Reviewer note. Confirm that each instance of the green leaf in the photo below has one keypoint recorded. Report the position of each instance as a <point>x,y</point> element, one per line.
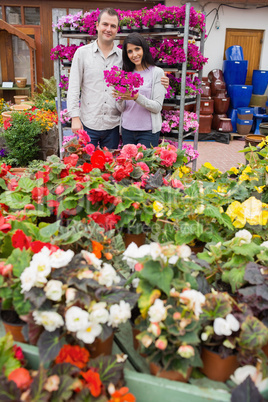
<point>48,231</point>
<point>236,278</point>
<point>158,276</point>
<point>9,392</point>
<point>37,296</point>
<point>110,371</point>
<point>26,184</point>
<point>21,305</point>
<point>38,394</point>
<point>64,369</point>
<point>10,365</point>
<point>3,184</point>
<point>20,259</point>
<point>253,335</point>
<point>49,345</point>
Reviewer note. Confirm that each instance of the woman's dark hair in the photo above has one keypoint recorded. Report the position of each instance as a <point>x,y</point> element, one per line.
<point>138,40</point>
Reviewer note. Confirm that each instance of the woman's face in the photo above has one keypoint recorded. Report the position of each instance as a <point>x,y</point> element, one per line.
<point>135,54</point>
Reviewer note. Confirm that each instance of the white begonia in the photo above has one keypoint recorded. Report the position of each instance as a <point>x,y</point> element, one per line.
<point>155,250</point>
<point>242,373</point>
<point>61,258</point>
<point>41,263</point>
<point>119,313</point>
<point>130,255</point>
<point>172,260</point>
<point>90,333</point>
<point>244,235</point>
<point>221,327</point>
<point>107,275</point>
<point>49,319</point>
<point>264,244</point>
<point>157,312</point>
<point>232,322</point>
<point>99,313</point>
<point>76,319</point>
<point>54,290</point>
<point>194,299</point>
<point>184,251</point>
<point>91,259</point>
<point>143,250</point>
<point>28,279</point>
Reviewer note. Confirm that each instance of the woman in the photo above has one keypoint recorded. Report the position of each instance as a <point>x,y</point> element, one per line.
<point>141,114</point>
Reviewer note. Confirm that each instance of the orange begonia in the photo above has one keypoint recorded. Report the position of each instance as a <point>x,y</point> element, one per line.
<point>122,395</point>
<point>97,248</point>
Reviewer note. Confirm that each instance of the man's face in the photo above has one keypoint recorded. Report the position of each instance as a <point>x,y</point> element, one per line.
<point>107,28</point>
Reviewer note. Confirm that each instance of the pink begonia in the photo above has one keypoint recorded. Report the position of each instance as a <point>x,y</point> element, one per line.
<point>90,148</point>
<point>129,151</point>
<point>177,184</point>
<point>168,157</point>
<point>143,167</point>
<point>141,145</point>
<point>139,156</point>
<point>84,138</point>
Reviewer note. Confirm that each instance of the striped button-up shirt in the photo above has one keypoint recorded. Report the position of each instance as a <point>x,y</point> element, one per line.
<point>88,95</point>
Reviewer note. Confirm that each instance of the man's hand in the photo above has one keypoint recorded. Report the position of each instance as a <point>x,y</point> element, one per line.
<point>76,124</point>
<point>165,81</point>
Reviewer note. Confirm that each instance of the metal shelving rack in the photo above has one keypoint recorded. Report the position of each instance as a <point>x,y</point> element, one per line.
<point>186,36</point>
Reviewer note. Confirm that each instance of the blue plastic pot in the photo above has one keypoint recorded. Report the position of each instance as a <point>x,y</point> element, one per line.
<point>234,53</point>
<point>245,113</point>
<point>235,72</point>
<point>244,122</point>
<point>240,95</point>
<point>232,114</point>
<point>259,81</point>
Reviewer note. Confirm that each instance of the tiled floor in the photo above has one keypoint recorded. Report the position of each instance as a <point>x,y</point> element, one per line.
<point>221,156</point>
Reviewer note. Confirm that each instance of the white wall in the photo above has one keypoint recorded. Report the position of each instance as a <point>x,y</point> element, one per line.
<point>229,18</point>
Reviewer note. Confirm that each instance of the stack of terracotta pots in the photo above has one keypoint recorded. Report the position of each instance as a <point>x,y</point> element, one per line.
<point>206,108</point>
<point>220,121</point>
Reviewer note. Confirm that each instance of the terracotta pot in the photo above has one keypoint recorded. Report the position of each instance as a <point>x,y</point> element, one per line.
<point>225,125</point>
<point>20,99</point>
<point>21,82</point>
<point>254,139</point>
<point>220,93</point>
<point>21,107</point>
<point>206,106</point>
<point>139,239</point>
<point>198,248</point>
<point>7,115</point>
<point>216,120</point>
<point>205,123</point>
<point>172,375</point>
<point>99,347</point>
<point>221,105</point>
<point>215,85</point>
<point>216,368</point>
<point>215,74</point>
<point>19,171</point>
<point>265,349</point>
<point>15,328</point>
<point>263,127</point>
<point>206,91</point>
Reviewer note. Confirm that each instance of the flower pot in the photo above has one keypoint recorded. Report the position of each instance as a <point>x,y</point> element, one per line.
<point>259,81</point>
<point>157,28</point>
<point>243,126</point>
<point>221,105</point>
<point>135,332</point>
<point>19,171</point>
<point>220,93</point>
<point>206,90</point>
<point>144,28</point>
<point>20,99</point>
<point>7,115</point>
<point>216,120</point>
<point>172,375</point>
<point>215,85</point>
<point>13,324</point>
<point>245,113</point>
<point>258,100</point>
<point>206,106</point>
<point>215,74</point>
<point>234,53</point>
<point>21,107</point>
<point>217,368</point>
<point>21,82</point>
<point>205,122</point>
<point>139,239</point>
<point>225,125</point>
<point>240,95</point>
<point>254,139</point>
<point>99,347</point>
<point>263,127</point>
<point>235,72</point>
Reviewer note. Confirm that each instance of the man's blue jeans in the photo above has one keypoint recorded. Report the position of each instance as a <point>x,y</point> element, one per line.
<point>146,138</point>
<point>104,138</point>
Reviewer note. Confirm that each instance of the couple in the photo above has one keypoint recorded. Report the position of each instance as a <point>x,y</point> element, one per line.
<point>99,113</point>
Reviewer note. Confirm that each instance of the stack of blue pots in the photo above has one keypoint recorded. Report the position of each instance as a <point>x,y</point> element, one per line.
<point>235,73</point>
<point>259,81</point>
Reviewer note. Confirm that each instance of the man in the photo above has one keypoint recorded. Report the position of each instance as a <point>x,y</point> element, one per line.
<point>97,110</point>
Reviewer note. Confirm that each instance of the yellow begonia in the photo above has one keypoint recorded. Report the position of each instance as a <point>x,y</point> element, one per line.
<point>234,170</point>
<point>236,213</point>
<point>185,169</point>
<point>259,189</point>
<point>209,166</point>
<point>157,207</point>
<point>255,212</point>
<point>247,170</point>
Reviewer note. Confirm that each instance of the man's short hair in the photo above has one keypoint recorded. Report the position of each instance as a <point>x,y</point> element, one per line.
<point>110,11</point>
